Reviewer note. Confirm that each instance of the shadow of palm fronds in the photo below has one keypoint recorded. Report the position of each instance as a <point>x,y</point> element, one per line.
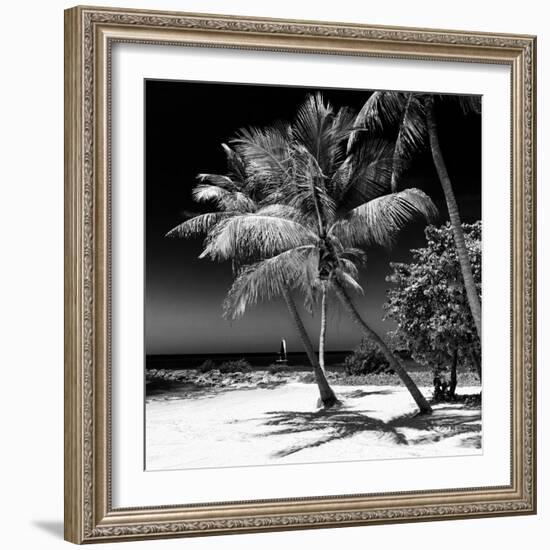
<point>358,394</point>
<point>338,424</point>
<point>443,423</point>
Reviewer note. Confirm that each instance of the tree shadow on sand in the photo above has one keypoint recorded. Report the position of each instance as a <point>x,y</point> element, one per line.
<point>357,394</point>
<point>409,429</point>
<point>442,424</point>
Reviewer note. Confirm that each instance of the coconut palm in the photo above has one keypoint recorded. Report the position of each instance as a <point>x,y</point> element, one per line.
<point>275,155</point>
<point>411,118</point>
<point>300,259</point>
<point>327,205</point>
<point>236,194</point>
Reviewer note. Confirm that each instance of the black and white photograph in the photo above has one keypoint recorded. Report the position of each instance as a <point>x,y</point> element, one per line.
<point>313,263</point>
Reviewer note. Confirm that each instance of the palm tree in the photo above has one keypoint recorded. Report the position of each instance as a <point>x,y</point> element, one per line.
<point>328,204</point>
<point>411,117</point>
<point>235,194</point>
<point>299,259</point>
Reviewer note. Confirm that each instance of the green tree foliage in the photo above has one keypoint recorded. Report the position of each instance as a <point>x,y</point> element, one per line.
<point>430,307</point>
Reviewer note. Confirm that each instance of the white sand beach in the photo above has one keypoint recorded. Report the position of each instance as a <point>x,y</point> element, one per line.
<point>282,424</point>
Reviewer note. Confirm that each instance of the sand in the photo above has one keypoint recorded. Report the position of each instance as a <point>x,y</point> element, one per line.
<point>282,424</point>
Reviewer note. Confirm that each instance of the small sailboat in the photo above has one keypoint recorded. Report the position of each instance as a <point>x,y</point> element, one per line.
<point>282,360</point>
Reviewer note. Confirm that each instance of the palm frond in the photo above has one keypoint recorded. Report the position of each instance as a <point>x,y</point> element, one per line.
<point>236,166</point>
<point>341,178</point>
<point>344,123</point>
<point>265,152</point>
<point>311,120</point>
<point>266,280</point>
<point>379,221</point>
<point>215,193</point>
<point>411,136</point>
<point>322,131</point>
<point>348,280</point>
<point>223,198</point>
<point>379,114</point>
<point>357,255</point>
<point>218,180</point>
<point>278,210</point>
<point>306,190</point>
<point>365,175</point>
<point>198,225</point>
<point>349,267</point>
<point>252,236</point>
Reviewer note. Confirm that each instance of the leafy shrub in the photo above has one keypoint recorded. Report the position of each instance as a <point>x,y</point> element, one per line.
<point>429,305</point>
<point>208,365</point>
<point>366,359</point>
<point>239,365</point>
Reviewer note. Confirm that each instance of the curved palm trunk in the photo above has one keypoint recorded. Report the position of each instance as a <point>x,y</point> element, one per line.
<point>395,364</point>
<point>328,398</point>
<point>323,332</point>
<point>465,265</point>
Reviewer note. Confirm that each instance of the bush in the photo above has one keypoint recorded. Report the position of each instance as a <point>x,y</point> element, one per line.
<point>366,359</point>
<point>207,366</point>
<point>240,365</point>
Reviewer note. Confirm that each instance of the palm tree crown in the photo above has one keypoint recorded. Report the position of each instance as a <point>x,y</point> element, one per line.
<point>323,206</point>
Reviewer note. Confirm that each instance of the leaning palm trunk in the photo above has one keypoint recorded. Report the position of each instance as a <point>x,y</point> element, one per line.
<point>393,361</point>
<point>454,216</point>
<point>328,398</point>
<point>323,332</point>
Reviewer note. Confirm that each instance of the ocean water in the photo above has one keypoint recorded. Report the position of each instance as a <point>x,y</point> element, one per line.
<point>332,358</point>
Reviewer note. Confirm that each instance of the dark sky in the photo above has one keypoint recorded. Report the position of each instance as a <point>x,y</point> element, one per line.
<point>186,122</point>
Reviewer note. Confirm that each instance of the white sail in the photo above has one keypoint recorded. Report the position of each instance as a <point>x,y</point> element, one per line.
<point>282,352</point>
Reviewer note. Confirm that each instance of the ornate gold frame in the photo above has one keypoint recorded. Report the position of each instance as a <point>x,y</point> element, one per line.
<point>89,34</point>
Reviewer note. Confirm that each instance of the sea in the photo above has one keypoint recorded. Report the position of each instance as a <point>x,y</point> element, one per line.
<point>257,360</point>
